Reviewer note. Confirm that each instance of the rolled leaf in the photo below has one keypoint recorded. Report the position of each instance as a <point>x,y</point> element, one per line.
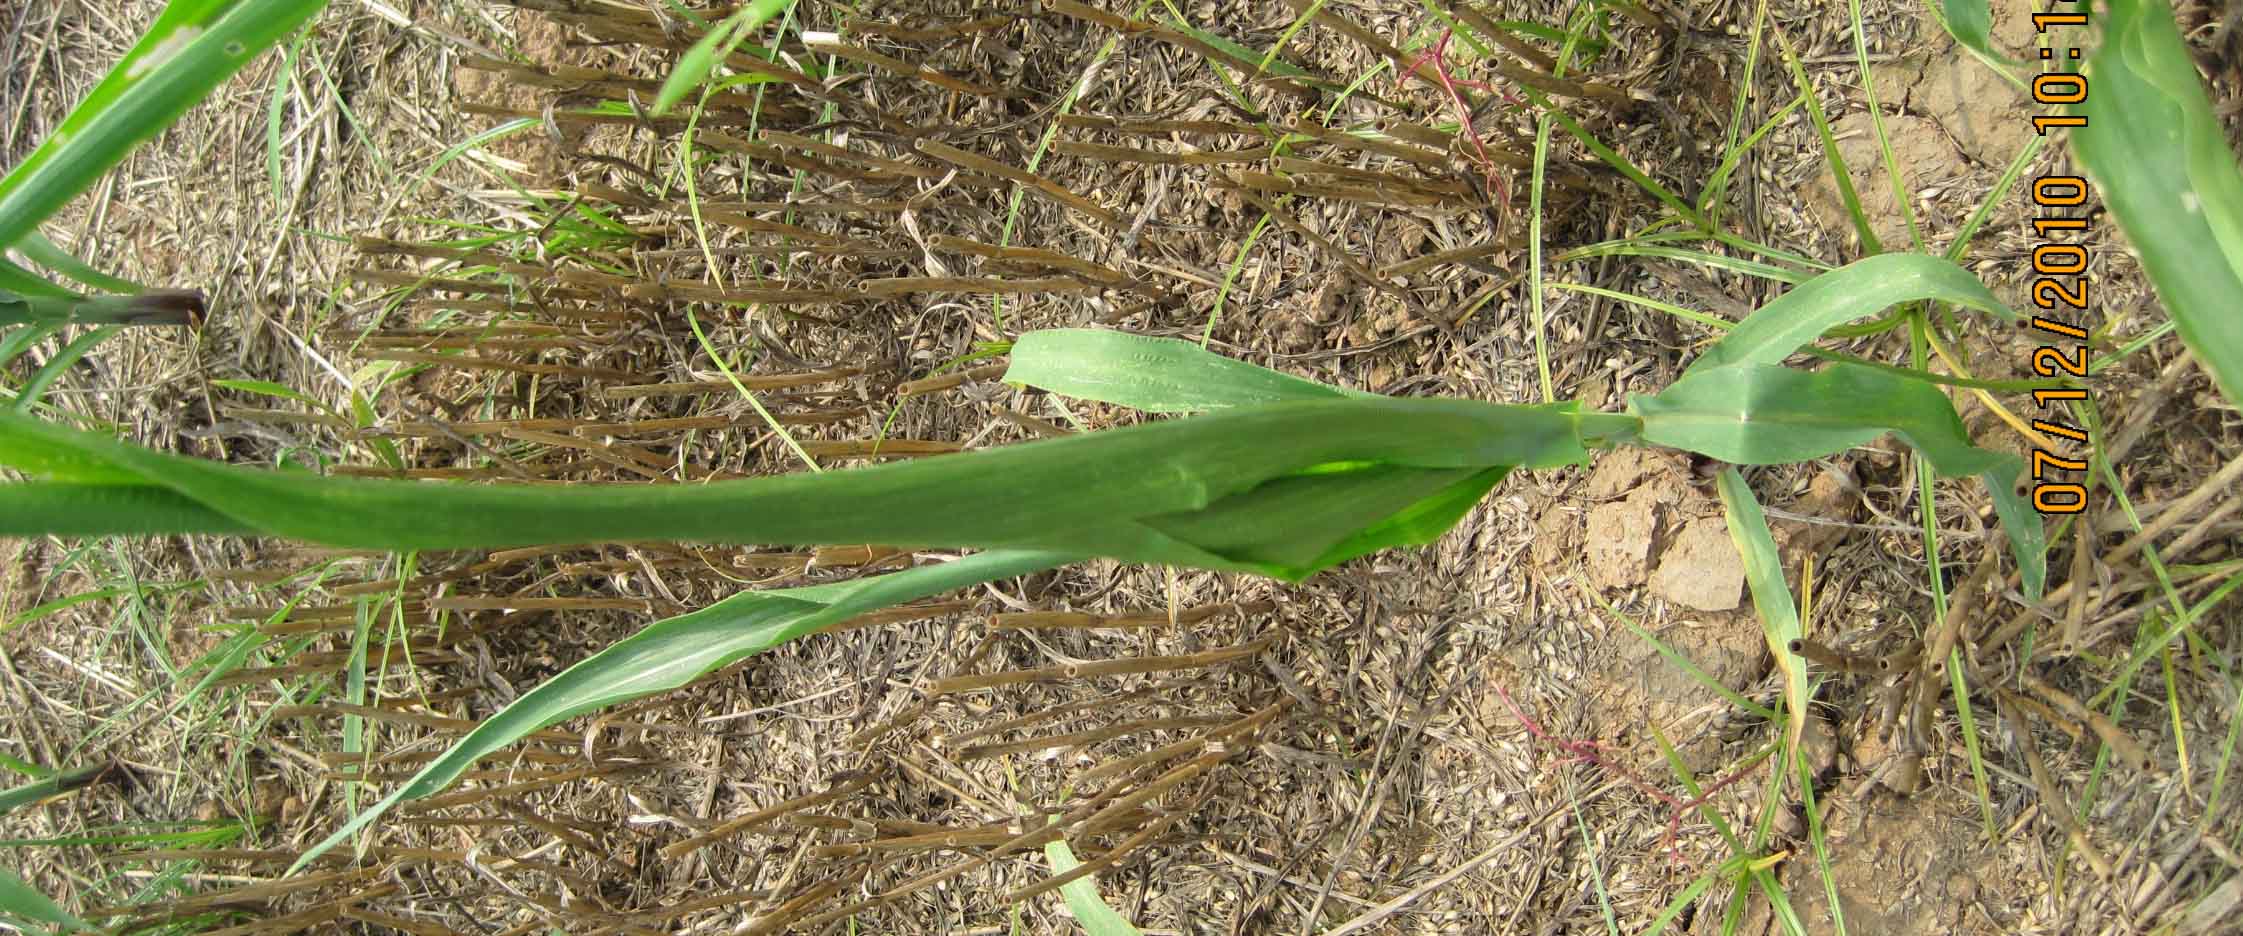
<point>1127,494</point>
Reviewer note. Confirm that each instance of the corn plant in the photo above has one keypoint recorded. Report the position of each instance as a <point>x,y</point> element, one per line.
<point>1276,476</point>
<point>2161,163</point>
<point>1270,474</point>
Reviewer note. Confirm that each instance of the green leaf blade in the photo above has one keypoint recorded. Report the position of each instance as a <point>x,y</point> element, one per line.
<point>699,63</point>
<point>1097,917</point>
<point>1771,596</point>
<point>1756,414</point>
<point>1156,375</point>
<point>18,901</point>
<point>1971,22</point>
<point>187,53</point>
<point>1767,415</point>
<point>673,652</point>
<point>1085,494</point>
<point>2161,165</point>
<point>1855,291</point>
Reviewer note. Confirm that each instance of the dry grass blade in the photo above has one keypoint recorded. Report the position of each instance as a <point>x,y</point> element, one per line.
<point>477,362</point>
<point>2122,742</point>
<point>840,788</point>
<point>927,385</point>
<point>1113,856</point>
<point>986,166</point>
<point>832,45</point>
<point>1229,733</point>
<point>1147,126</point>
<point>1072,671</point>
<point>2053,802</point>
<point>750,381</point>
<point>1068,620</point>
<point>1083,739</point>
<point>1134,154</point>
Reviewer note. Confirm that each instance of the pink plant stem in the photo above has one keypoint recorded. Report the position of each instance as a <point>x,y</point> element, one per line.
<point>1591,752</point>
<point>1588,751</point>
<point>1439,56</point>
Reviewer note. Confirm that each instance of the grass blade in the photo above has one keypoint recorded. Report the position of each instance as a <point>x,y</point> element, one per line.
<point>1842,177</point>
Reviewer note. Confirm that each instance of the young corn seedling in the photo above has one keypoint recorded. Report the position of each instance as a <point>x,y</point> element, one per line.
<point>1276,476</point>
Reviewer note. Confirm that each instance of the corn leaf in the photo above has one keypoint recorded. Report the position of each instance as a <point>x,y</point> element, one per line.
<point>192,47</point>
<point>1759,414</point>
<point>109,510</point>
<point>1971,22</point>
<point>1317,520</point>
<point>1097,917</point>
<point>674,651</point>
<point>1771,597</point>
<point>15,342</point>
<point>1128,494</point>
<point>35,389</point>
<point>2162,166</point>
<point>1156,375</point>
<point>1854,291</point>
<point>20,904</point>
<point>15,281</point>
<point>48,254</point>
<point>54,784</point>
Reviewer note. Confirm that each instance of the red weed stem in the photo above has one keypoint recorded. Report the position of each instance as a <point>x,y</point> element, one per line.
<point>1438,55</point>
<point>1592,753</point>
